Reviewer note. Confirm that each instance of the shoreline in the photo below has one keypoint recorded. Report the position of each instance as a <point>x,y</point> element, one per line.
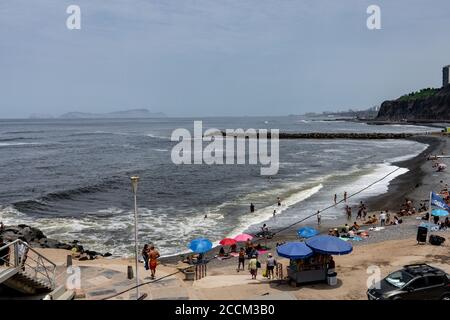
<point>400,187</point>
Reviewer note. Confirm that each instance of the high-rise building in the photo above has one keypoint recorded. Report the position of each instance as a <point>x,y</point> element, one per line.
<point>445,76</point>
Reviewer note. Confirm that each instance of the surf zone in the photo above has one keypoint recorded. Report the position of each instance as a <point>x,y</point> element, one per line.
<point>216,147</point>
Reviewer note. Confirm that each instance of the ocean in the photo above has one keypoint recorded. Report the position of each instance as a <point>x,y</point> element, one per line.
<point>70,178</point>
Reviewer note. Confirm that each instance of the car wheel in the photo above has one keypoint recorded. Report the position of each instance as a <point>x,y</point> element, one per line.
<point>446,297</point>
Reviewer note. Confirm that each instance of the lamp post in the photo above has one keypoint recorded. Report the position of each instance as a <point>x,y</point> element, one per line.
<point>134,185</point>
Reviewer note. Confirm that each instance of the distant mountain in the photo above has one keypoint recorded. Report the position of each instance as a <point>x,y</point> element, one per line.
<point>135,113</point>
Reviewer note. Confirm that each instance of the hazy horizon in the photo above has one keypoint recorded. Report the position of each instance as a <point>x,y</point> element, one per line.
<point>216,58</point>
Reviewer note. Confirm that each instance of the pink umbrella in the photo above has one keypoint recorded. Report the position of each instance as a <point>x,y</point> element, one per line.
<point>227,242</point>
<point>243,237</point>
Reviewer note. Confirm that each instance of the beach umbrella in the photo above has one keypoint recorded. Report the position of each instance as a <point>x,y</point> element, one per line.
<point>329,245</point>
<point>439,213</point>
<point>200,245</point>
<point>243,237</point>
<point>307,232</point>
<point>294,250</point>
<point>227,242</point>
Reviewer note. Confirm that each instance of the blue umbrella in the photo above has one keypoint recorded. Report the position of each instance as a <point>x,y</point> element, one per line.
<point>439,213</point>
<point>200,245</point>
<point>294,250</point>
<point>329,245</point>
<point>307,232</point>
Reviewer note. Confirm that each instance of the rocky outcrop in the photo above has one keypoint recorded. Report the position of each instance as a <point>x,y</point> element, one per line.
<point>36,238</point>
<point>432,108</point>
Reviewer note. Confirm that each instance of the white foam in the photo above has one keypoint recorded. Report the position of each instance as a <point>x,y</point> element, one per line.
<point>266,213</point>
<point>13,144</point>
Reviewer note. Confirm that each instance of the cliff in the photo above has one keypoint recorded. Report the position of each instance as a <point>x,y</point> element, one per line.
<point>425,105</point>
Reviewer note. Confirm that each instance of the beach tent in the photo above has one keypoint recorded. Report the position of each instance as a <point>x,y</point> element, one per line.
<point>329,245</point>
<point>439,213</point>
<point>200,245</point>
<point>294,250</point>
<point>307,232</point>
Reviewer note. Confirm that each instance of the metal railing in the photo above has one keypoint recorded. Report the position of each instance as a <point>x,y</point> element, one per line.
<point>18,254</point>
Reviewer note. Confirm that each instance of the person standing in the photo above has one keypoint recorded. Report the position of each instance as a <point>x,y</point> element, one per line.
<point>4,253</point>
<point>271,263</point>
<point>22,250</point>
<point>145,256</point>
<point>348,209</point>
<point>153,256</point>
<point>279,201</point>
<point>274,213</point>
<point>345,196</point>
<point>252,207</point>
<point>241,259</point>
<point>253,266</point>
<point>335,198</point>
<point>382,218</point>
<point>319,217</point>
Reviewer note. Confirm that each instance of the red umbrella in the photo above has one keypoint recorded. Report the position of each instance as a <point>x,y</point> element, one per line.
<point>227,242</point>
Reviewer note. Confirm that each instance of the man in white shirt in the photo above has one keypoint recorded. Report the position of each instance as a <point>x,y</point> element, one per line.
<point>382,218</point>
<point>22,252</point>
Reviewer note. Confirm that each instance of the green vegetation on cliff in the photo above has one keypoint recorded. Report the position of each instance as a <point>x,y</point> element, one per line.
<point>421,94</point>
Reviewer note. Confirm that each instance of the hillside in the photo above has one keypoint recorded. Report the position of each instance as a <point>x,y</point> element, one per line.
<point>424,105</point>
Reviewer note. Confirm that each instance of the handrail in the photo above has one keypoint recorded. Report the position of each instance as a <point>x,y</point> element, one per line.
<point>42,265</point>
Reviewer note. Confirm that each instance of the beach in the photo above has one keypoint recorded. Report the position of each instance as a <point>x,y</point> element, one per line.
<point>389,249</point>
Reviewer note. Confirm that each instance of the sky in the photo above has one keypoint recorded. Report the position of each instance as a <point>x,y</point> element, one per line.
<point>217,57</point>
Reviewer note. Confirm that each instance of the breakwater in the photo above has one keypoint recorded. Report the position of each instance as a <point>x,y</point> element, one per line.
<point>325,135</point>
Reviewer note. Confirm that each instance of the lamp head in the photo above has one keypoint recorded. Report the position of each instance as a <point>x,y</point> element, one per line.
<point>134,183</point>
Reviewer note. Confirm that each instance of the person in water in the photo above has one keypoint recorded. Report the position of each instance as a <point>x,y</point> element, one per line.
<point>335,198</point>
<point>279,201</point>
<point>153,256</point>
<point>252,207</point>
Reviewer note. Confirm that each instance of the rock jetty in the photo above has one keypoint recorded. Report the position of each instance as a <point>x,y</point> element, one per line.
<point>36,238</point>
<point>339,135</point>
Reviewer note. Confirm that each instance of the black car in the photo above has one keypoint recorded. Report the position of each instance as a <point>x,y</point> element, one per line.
<point>413,282</point>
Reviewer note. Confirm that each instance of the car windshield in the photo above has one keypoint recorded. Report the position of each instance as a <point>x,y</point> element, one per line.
<point>398,279</point>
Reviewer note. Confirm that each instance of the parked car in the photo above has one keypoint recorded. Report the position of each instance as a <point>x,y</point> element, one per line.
<point>413,282</point>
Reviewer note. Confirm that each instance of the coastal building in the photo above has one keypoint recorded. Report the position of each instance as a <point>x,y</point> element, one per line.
<point>445,76</point>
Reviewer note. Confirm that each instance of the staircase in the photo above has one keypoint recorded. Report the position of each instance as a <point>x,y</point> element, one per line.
<point>25,270</point>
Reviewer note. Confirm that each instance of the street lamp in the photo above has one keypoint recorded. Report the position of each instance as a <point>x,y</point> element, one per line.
<point>134,185</point>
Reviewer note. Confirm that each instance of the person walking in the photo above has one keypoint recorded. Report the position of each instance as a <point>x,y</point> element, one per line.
<point>319,217</point>
<point>253,266</point>
<point>271,263</point>
<point>153,256</point>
